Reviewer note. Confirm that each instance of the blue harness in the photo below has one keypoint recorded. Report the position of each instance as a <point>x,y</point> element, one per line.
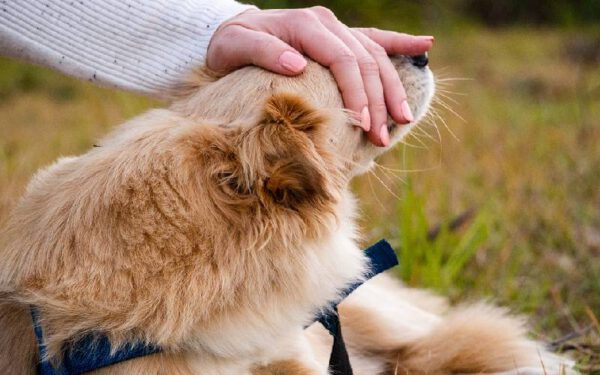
<point>94,351</point>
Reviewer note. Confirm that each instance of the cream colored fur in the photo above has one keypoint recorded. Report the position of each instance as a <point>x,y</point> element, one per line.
<point>215,229</point>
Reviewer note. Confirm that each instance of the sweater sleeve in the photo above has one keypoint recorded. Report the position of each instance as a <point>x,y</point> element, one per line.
<point>143,46</point>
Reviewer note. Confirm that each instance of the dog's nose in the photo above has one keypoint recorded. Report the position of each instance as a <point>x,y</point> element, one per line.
<point>420,61</point>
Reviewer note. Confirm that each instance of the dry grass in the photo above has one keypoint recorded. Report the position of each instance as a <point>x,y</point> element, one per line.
<point>526,157</point>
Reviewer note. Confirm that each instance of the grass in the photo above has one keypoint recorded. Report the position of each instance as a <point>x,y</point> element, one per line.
<point>525,160</point>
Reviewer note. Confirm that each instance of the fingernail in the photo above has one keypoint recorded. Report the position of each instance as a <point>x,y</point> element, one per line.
<point>384,135</point>
<point>406,112</point>
<point>292,61</point>
<point>365,119</point>
<point>428,38</point>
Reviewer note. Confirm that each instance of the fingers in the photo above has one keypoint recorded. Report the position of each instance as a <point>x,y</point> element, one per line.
<point>370,73</point>
<point>329,50</point>
<point>393,90</point>
<point>236,46</point>
<point>398,43</point>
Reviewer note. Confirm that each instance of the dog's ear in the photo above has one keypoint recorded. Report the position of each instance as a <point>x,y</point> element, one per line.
<point>280,160</point>
<point>293,181</point>
<point>292,111</point>
<point>295,159</point>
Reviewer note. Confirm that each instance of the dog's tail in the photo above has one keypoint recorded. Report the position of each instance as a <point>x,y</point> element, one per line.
<point>477,339</point>
<point>18,348</point>
<point>416,332</point>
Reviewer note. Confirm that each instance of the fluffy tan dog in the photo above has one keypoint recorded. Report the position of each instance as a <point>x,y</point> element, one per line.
<point>215,229</point>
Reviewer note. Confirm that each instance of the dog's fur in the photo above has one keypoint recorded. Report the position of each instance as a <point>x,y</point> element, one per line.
<point>216,229</point>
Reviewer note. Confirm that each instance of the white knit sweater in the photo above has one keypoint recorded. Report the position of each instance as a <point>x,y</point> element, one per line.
<point>144,46</point>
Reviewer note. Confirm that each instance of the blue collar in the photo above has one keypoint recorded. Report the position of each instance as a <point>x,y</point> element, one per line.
<point>89,353</point>
<point>94,351</point>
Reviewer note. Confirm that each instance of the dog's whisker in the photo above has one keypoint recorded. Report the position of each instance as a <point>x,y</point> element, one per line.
<point>449,109</point>
<point>385,185</point>
<point>416,137</point>
<point>404,142</point>
<point>412,145</point>
<point>448,97</point>
<point>438,90</point>
<point>406,170</point>
<point>382,206</point>
<point>430,120</point>
<point>454,79</point>
<point>423,131</point>
<point>437,115</point>
<point>393,176</point>
<point>445,89</point>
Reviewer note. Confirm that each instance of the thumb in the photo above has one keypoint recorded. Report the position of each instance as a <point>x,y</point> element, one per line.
<point>235,46</point>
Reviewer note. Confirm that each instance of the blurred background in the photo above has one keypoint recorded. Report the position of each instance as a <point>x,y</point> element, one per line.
<point>496,196</point>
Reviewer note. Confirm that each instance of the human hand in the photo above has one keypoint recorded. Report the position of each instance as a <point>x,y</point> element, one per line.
<point>357,57</point>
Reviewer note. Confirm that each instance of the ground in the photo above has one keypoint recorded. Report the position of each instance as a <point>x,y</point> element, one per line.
<point>516,145</point>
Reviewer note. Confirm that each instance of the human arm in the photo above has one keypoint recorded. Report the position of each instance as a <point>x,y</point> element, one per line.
<point>147,47</point>
<point>134,45</point>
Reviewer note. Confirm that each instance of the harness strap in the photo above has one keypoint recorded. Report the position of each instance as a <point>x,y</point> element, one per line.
<point>89,353</point>
<point>339,360</point>
<point>381,258</point>
<point>93,352</point>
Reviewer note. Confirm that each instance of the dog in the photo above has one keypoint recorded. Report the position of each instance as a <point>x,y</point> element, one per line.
<point>216,228</point>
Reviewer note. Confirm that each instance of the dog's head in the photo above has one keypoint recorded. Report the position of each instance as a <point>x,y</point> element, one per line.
<point>235,100</point>
<point>286,144</point>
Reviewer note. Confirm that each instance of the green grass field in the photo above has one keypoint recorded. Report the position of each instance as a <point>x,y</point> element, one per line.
<point>515,139</point>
